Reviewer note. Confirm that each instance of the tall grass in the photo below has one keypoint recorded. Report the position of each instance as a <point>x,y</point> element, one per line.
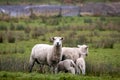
<point>61,76</point>
<point>100,33</point>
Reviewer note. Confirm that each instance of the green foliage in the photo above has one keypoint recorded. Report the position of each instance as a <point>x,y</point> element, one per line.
<point>11,37</point>
<point>101,34</point>
<point>62,76</point>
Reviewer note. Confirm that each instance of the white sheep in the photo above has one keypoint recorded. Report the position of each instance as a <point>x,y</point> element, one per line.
<point>81,67</point>
<point>74,53</point>
<point>45,54</point>
<point>67,65</point>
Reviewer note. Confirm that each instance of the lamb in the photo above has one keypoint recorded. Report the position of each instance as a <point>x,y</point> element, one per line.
<point>80,63</point>
<point>74,53</point>
<point>45,54</point>
<point>67,65</point>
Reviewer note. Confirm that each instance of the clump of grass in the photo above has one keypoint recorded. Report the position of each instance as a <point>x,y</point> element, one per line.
<point>10,37</point>
<point>88,21</point>
<point>12,26</point>
<point>1,37</point>
<point>3,26</point>
<point>20,35</point>
<point>27,30</point>
<point>14,64</point>
<point>82,39</point>
<point>38,31</point>
<point>105,43</point>
<point>20,27</point>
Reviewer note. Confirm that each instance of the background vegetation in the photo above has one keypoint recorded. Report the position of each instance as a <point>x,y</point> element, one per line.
<point>18,36</point>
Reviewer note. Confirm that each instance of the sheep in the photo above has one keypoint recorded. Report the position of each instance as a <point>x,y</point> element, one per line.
<point>80,63</point>
<point>45,54</point>
<point>74,53</point>
<point>67,65</point>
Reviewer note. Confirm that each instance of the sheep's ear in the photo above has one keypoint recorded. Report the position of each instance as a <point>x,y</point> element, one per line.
<point>86,47</point>
<point>62,38</point>
<point>78,46</point>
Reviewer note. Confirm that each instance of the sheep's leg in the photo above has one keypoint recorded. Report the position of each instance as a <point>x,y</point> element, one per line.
<point>71,70</point>
<point>42,68</point>
<point>82,67</point>
<point>78,70</point>
<point>83,70</point>
<point>52,69</point>
<point>56,70</point>
<point>31,64</point>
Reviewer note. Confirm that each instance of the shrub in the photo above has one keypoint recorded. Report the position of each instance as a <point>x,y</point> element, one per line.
<point>82,39</point>
<point>1,37</point>
<point>12,26</point>
<point>11,37</point>
<point>20,27</point>
<point>104,43</point>
<point>88,21</point>
<point>38,31</point>
<point>102,18</point>
<point>14,64</point>
<point>100,26</point>
<point>3,26</point>
<point>20,35</point>
<point>27,29</point>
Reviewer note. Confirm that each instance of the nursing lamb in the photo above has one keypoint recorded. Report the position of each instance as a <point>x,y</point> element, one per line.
<point>67,65</point>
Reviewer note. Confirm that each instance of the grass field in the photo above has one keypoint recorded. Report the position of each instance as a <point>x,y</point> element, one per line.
<point>61,76</point>
<point>101,34</point>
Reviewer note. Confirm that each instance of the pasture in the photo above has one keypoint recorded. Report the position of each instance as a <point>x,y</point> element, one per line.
<point>102,34</point>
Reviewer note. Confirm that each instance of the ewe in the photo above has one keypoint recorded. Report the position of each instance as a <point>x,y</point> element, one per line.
<point>45,54</point>
<point>74,53</point>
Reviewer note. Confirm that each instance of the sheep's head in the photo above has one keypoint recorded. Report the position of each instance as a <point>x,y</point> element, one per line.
<point>57,41</point>
<point>83,49</point>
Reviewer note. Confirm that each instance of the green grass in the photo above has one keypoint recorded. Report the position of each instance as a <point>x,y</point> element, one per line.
<point>61,76</point>
<point>96,32</point>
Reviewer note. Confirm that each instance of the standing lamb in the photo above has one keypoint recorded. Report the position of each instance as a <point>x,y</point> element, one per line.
<point>67,65</point>
<point>74,53</point>
<point>45,54</point>
<point>80,63</point>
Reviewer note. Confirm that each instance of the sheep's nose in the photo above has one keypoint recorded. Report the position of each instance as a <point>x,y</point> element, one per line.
<point>86,54</point>
<point>57,43</point>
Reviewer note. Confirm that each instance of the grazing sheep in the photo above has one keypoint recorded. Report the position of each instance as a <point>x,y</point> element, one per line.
<point>80,63</point>
<point>46,54</point>
<point>67,65</point>
<point>74,53</point>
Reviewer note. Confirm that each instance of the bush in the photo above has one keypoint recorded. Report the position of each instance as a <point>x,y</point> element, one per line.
<point>11,37</point>
<point>20,27</point>
<point>14,64</point>
<point>27,29</point>
<point>38,31</point>
<point>1,38</point>
<point>88,21</point>
<point>20,35</point>
<point>104,43</point>
<point>12,26</point>
<point>82,39</point>
<point>3,26</point>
